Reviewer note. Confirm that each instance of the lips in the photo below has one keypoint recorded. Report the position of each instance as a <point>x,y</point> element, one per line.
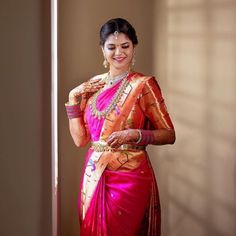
<point>119,59</point>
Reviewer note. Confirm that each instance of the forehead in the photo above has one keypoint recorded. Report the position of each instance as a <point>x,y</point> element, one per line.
<point>118,39</point>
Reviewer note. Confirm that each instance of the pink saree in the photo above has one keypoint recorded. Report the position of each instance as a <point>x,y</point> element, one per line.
<point>121,201</point>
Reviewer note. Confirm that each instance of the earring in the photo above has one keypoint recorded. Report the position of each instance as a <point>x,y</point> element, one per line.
<point>133,61</point>
<point>105,63</point>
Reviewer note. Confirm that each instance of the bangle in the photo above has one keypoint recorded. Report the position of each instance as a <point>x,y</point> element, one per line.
<point>146,137</point>
<point>71,103</point>
<point>73,111</point>
<point>140,136</point>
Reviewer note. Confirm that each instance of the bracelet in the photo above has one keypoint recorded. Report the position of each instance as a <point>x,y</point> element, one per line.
<point>71,103</point>
<point>73,111</point>
<point>140,136</point>
<point>146,137</point>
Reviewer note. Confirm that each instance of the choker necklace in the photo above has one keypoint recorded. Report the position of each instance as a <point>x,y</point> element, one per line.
<point>110,81</point>
<point>114,101</point>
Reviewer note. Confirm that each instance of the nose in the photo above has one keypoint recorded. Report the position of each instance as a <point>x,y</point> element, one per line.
<point>118,51</point>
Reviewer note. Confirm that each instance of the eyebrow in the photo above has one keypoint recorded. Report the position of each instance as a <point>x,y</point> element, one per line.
<point>113,44</point>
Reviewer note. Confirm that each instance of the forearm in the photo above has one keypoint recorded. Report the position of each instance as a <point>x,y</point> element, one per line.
<point>77,126</point>
<point>156,137</point>
<point>141,137</point>
<point>163,136</point>
<point>78,132</point>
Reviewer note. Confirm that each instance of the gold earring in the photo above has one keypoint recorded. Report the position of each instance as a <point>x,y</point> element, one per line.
<point>133,61</point>
<point>105,63</point>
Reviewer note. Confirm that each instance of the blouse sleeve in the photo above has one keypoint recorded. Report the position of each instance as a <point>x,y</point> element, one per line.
<point>153,105</point>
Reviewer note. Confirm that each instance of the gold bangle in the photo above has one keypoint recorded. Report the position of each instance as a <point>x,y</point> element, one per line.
<point>72,103</point>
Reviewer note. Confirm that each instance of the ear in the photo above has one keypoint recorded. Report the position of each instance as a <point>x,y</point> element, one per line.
<point>102,47</point>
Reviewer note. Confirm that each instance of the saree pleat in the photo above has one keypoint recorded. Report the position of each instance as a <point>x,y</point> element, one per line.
<point>119,204</point>
<point>95,219</point>
<point>154,217</point>
<point>129,200</point>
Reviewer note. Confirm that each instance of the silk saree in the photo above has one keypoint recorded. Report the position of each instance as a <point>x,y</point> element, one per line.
<point>118,193</point>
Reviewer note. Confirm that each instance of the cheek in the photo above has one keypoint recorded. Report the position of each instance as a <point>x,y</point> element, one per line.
<point>130,53</point>
<point>109,53</point>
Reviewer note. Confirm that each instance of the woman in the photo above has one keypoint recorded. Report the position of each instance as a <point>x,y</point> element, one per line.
<point>120,112</point>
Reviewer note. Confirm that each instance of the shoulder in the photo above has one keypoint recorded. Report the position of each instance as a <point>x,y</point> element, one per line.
<point>149,84</point>
<point>145,79</point>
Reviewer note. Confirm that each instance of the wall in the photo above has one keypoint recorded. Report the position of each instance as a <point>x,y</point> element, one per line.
<point>80,58</point>
<point>196,54</point>
<point>190,46</point>
<point>25,152</point>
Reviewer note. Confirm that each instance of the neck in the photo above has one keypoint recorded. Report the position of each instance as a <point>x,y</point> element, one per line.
<point>115,72</point>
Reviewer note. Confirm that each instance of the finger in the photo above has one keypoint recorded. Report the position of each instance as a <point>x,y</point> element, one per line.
<point>74,92</point>
<point>101,82</point>
<point>94,89</point>
<point>88,87</point>
<point>115,134</point>
<point>114,144</point>
<point>98,85</point>
<point>91,85</point>
<point>110,139</point>
<point>95,84</point>
<point>95,80</point>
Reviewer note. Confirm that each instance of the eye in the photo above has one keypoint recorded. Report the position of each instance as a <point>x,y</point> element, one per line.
<point>125,46</point>
<point>109,47</point>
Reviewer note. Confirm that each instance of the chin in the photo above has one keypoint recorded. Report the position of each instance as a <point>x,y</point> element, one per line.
<point>121,66</point>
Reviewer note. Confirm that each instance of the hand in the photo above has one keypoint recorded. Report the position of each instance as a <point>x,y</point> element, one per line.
<point>90,86</point>
<point>118,138</point>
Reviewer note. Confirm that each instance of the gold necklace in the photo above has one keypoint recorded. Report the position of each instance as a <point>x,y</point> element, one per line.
<point>114,101</point>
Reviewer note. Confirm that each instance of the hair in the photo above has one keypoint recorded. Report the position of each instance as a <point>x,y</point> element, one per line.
<point>120,25</point>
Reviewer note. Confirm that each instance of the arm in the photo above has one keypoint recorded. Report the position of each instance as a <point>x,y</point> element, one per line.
<point>78,132</point>
<point>78,128</point>
<point>154,108</point>
<point>77,125</point>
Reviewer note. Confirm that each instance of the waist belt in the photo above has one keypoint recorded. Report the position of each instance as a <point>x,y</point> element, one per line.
<point>101,146</point>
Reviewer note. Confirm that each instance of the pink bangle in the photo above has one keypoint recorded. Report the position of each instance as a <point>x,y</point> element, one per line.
<point>146,137</point>
<point>73,111</point>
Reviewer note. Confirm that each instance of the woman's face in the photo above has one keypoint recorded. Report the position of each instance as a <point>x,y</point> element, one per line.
<point>119,51</point>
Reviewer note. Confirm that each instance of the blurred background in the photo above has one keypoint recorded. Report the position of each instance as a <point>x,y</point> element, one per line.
<point>189,45</point>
